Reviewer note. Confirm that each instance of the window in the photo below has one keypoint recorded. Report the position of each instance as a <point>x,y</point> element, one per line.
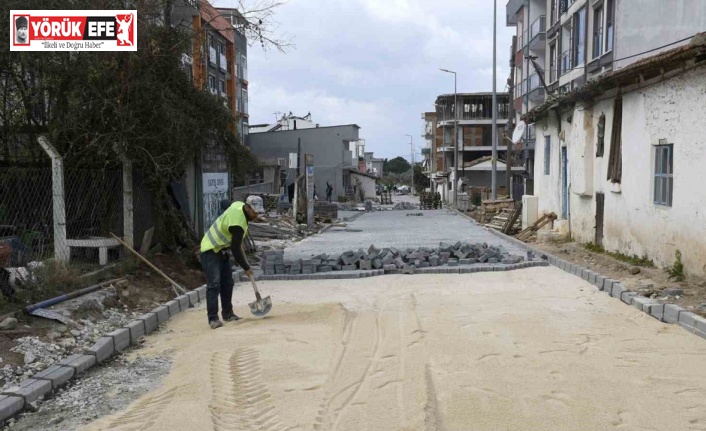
<point>212,83</point>
<point>579,37</point>
<point>664,154</point>
<point>610,22</point>
<point>553,75</point>
<point>245,101</point>
<point>222,87</point>
<point>221,49</point>
<point>244,65</point>
<point>547,154</point>
<point>554,17</point>
<point>598,32</point>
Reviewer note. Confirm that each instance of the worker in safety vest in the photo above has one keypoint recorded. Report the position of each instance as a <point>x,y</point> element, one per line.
<point>227,232</point>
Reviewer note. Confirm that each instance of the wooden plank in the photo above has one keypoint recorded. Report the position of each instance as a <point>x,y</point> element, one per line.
<point>146,241</point>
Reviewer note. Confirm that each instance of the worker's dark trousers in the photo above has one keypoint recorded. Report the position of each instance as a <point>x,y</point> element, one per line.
<point>220,281</point>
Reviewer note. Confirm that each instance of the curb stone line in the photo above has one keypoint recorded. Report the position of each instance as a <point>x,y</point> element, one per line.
<point>11,404</point>
<point>657,311</point>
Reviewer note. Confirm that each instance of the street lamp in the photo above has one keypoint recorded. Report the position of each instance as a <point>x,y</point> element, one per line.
<point>455,141</point>
<point>411,146</point>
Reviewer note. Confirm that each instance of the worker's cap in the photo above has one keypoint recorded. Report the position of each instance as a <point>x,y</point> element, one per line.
<point>21,22</point>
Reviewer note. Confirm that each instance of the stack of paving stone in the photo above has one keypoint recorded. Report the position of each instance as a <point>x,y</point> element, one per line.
<point>390,260</point>
<point>273,262</point>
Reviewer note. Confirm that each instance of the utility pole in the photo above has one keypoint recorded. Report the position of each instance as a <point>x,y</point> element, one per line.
<point>411,146</point>
<point>495,108</point>
<point>510,118</point>
<point>455,139</point>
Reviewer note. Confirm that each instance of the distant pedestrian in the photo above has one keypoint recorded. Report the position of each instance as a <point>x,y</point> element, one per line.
<point>329,191</point>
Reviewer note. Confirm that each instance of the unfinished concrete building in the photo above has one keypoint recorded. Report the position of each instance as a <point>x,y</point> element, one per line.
<point>475,143</point>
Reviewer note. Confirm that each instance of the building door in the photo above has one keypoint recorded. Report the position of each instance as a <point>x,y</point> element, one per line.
<point>600,209</point>
<point>564,185</point>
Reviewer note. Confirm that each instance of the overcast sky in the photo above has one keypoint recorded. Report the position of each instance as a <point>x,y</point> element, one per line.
<point>376,63</point>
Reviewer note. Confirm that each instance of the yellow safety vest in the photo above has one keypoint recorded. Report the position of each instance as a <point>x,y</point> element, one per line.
<point>218,236</point>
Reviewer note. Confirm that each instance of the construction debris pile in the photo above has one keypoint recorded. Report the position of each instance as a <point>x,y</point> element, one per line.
<point>390,259</point>
<point>405,206</point>
<point>281,228</point>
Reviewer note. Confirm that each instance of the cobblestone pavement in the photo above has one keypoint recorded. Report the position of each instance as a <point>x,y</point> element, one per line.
<point>398,229</point>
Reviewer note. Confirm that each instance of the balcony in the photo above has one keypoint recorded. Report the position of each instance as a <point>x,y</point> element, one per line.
<point>537,35</point>
<point>535,90</point>
<point>475,108</point>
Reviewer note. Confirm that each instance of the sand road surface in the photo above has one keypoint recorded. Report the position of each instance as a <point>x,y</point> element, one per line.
<point>535,349</point>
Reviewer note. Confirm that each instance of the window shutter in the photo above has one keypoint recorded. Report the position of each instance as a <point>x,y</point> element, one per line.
<point>615,162</point>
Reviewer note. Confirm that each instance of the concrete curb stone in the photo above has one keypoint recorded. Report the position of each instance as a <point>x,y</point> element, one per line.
<point>30,389</point>
<point>162,313</point>
<point>150,321</point>
<point>173,307</point>
<point>671,313</point>
<point>201,291</point>
<point>10,405</point>
<point>193,298</point>
<point>136,329</point>
<point>643,303</point>
<point>184,302</point>
<point>55,374</point>
<point>78,362</point>
<point>121,339</point>
<point>657,311</point>
<point>102,349</point>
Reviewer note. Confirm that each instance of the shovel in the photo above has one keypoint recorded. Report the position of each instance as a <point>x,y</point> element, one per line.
<point>261,306</point>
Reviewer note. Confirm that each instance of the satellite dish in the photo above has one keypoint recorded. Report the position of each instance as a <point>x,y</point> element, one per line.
<point>519,132</point>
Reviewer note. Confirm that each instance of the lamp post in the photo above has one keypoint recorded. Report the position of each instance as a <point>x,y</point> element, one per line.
<point>495,110</point>
<point>411,146</point>
<point>455,140</point>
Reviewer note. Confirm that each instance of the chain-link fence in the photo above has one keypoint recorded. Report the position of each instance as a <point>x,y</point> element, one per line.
<point>37,222</point>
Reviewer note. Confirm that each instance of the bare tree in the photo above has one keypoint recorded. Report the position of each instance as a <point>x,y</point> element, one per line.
<point>259,25</point>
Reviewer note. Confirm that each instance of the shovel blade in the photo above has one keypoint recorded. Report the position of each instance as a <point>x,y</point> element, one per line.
<point>261,307</point>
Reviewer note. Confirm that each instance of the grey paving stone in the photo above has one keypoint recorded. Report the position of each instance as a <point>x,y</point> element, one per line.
<point>136,329</point>
<point>202,292</point>
<point>121,338</point>
<point>56,374</point>
<point>700,323</point>
<point>598,282</point>
<point>150,322</point>
<point>193,297</point>
<point>31,389</point>
<point>79,362</point>
<point>608,285</point>
<point>618,290</point>
<point>162,313</point>
<point>627,297</point>
<point>657,311</point>
<point>687,320</point>
<point>671,313</point>
<point>591,277</point>
<point>642,303</point>
<point>173,307</point>
<point>10,406</point>
<point>102,349</point>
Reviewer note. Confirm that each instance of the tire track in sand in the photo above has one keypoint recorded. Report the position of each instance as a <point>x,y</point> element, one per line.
<point>144,414</point>
<point>239,399</point>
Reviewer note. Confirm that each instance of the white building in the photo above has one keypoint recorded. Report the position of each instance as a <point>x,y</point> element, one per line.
<point>619,158</point>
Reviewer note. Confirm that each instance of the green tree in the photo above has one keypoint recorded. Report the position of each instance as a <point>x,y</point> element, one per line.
<point>398,165</point>
<point>421,181</point>
<point>142,103</point>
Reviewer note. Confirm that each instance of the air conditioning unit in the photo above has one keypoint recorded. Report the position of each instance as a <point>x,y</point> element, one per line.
<point>282,161</point>
<point>187,59</point>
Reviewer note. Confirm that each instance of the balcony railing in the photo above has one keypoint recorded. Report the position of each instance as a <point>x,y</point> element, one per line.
<point>539,26</point>
<point>565,62</point>
<point>534,82</point>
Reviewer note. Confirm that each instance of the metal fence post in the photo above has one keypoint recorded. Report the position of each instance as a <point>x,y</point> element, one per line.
<point>61,247</point>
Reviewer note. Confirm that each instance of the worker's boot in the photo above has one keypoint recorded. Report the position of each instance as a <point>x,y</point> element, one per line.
<point>214,324</point>
<point>232,318</point>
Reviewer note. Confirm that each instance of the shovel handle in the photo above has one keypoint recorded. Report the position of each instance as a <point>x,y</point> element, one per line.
<point>254,286</point>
